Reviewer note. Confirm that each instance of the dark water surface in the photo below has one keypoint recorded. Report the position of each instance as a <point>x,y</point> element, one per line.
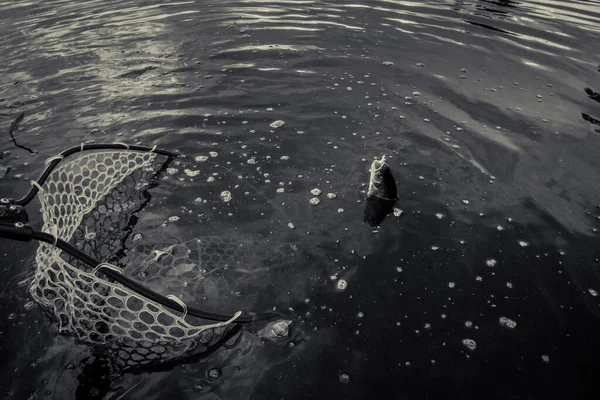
<point>488,113</point>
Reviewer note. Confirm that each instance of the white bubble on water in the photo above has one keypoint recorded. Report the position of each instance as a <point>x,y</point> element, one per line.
<point>509,285</point>
<point>491,262</point>
<point>291,226</point>
<point>500,227</point>
<point>191,173</point>
<point>468,324</point>
<point>315,192</point>
<point>451,285</point>
<point>522,243</point>
<point>546,358</point>
<point>397,212</point>
<point>172,171</point>
<point>314,201</point>
<point>469,344</point>
<point>388,63</point>
<point>507,323</point>
<point>137,237</point>
<point>173,218</point>
<point>284,158</point>
<point>340,210</point>
<point>277,124</point>
<point>213,154</point>
<point>439,215</point>
<point>201,158</point>
<point>466,202</point>
<point>344,378</point>
<point>341,284</point>
<point>331,195</point>
<point>210,179</point>
<point>226,196</point>
<point>593,292</point>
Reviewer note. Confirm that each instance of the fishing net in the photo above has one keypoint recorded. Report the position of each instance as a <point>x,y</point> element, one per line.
<point>227,272</point>
<point>90,201</point>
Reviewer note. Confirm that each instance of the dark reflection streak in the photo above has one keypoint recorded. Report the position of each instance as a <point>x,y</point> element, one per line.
<point>492,10</point>
<point>503,3</point>
<point>590,119</point>
<point>592,95</point>
<point>491,28</point>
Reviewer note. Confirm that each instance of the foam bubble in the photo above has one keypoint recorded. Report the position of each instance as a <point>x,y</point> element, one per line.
<point>344,378</point>
<point>341,284</point>
<point>314,201</point>
<point>191,173</point>
<point>226,196</point>
<point>491,262</point>
<point>546,358</point>
<point>507,323</point>
<point>201,158</point>
<point>315,192</point>
<point>469,344</point>
<point>277,124</point>
<point>213,374</point>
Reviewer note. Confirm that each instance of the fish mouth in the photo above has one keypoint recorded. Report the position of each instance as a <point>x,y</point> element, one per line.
<point>381,182</point>
<point>375,177</point>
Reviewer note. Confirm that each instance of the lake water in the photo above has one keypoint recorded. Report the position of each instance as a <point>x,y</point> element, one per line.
<point>488,113</point>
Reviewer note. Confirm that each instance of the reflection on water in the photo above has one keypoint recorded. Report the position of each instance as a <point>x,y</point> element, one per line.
<point>488,112</point>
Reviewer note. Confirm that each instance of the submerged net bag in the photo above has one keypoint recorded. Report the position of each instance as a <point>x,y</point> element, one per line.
<point>90,201</point>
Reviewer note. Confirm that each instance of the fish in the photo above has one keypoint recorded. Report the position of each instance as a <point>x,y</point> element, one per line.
<point>382,194</point>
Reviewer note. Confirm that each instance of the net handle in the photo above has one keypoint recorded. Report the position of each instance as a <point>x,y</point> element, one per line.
<point>54,161</point>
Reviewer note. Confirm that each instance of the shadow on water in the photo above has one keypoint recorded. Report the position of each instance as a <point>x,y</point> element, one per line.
<point>99,371</point>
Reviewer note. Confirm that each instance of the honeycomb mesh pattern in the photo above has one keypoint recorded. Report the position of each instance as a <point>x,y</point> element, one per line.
<point>211,266</point>
<point>85,201</point>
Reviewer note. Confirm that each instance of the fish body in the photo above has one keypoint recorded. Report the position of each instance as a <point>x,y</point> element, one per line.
<point>382,193</point>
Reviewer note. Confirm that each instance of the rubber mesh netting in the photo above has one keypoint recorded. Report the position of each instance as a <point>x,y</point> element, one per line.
<point>88,201</point>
